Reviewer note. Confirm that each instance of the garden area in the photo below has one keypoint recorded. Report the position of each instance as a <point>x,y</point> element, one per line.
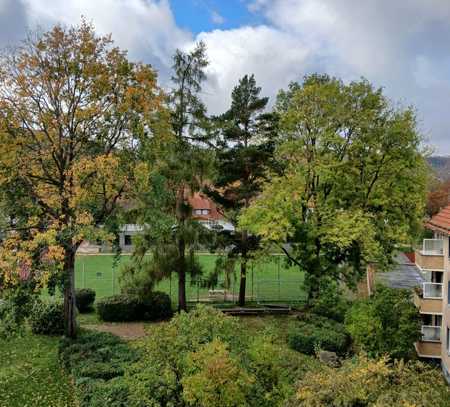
<point>317,356</point>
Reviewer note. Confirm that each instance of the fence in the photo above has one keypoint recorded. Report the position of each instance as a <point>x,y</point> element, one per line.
<point>270,281</point>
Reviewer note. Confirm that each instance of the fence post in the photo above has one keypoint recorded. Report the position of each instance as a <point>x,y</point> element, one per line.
<point>198,290</point>
<point>279,282</point>
<point>253,292</point>
<point>113,283</point>
<point>84,275</point>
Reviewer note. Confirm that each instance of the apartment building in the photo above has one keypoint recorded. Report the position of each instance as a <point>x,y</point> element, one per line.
<point>432,297</point>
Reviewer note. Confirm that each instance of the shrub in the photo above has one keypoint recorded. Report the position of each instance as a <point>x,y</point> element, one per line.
<point>47,318</point>
<point>84,299</point>
<point>155,306</point>
<point>388,322</point>
<point>118,308</point>
<point>366,382</point>
<point>98,362</point>
<point>318,331</point>
<point>330,303</point>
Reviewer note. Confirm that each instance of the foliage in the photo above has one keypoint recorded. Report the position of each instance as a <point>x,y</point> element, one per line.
<point>368,382</point>
<point>386,323</point>
<point>30,373</point>
<point>353,184</point>
<point>154,306</point>
<point>73,110</point>
<point>98,361</point>
<point>244,139</point>
<point>15,307</point>
<point>307,335</point>
<point>168,179</point>
<point>84,299</point>
<point>330,302</point>
<point>214,379</point>
<point>47,317</point>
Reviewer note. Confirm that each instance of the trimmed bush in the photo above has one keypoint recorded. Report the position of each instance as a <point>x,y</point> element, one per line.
<point>155,306</point>
<point>47,318</point>
<point>84,298</point>
<point>118,308</point>
<point>321,332</point>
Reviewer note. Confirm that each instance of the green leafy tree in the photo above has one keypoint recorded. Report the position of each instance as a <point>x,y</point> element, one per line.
<point>353,184</point>
<point>386,323</point>
<point>245,145</point>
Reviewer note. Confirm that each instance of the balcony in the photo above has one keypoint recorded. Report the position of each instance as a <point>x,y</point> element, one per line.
<point>428,298</point>
<point>431,333</point>
<point>431,255</point>
<point>428,349</point>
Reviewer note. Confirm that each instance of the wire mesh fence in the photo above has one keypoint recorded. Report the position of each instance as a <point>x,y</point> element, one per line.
<point>268,281</point>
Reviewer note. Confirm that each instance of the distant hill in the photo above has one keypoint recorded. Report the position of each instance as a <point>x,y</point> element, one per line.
<point>441,165</point>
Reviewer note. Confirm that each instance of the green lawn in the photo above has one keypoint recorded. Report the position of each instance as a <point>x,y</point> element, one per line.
<point>30,375</point>
<point>270,280</point>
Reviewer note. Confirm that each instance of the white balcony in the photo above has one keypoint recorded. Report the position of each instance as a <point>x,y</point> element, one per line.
<point>432,290</point>
<point>431,333</point>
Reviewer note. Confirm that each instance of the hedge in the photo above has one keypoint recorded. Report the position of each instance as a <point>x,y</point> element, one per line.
<point>84,299</point>
<point>47,318</point>
<point>320,332</point>
<point>155,306</point>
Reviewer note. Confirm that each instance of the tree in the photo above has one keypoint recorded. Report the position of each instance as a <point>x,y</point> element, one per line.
<point>386,323</point>
<point>353,185</point>
<point>168,181</point>
<point>73,110</point>
<point>245,146</point>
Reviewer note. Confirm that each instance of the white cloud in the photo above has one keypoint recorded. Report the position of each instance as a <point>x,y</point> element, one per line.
<point>273,56</point>
<point>146,28</point>
<point>216,18</point>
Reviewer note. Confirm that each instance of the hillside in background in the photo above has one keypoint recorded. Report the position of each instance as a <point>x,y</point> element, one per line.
<point>441,165</point>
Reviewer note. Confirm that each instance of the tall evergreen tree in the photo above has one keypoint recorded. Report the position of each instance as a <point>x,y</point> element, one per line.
<point>245,145</point>
<point>172,234</point>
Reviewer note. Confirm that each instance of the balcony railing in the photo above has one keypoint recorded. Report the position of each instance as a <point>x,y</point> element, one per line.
<point>432,290</point>
<point>431,333</point>
<point>433,247</point>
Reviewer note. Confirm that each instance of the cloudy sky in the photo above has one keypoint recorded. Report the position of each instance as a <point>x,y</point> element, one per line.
<point>403,45</point>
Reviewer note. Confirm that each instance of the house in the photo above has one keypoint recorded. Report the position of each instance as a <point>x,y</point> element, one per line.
<point>204,210</point>
<point>428,270</point>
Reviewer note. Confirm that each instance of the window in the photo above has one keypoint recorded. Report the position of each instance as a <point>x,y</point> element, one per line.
<point>201,211</point>
<point>448,340</point>
<point>127,239</point>
<point>205,211</point>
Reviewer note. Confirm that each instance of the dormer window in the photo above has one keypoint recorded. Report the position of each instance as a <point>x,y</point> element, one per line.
<point>202,211</point>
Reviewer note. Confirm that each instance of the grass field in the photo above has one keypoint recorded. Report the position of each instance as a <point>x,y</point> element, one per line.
<point>266,281</point>
<point>30,374</point>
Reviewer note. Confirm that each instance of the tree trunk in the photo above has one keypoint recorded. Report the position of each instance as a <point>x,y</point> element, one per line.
<point>243,282</point>
<point>69,294</point>
<point>243,279</point>
<point>182,306</point>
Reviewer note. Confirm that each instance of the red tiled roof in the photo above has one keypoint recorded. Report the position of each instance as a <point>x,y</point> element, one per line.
<point>200,201</point>
<point>441,221</point>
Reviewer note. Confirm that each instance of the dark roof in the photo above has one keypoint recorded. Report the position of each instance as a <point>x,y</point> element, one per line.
<point>404,275</point>
<point>440,221</point>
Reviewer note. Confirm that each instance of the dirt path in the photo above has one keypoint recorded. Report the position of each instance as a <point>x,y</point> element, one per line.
<point>128,331</point>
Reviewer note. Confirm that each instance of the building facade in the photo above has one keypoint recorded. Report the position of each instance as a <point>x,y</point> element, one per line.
<point>433,296</point>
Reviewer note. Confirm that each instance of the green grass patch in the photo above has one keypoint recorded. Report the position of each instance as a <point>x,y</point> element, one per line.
<point>271,280</point>
<point>30,374</point>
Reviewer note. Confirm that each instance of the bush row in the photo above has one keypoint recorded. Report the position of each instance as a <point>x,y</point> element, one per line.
<point>97,361</point>
<point>316,331</point>
<point>155,306</point>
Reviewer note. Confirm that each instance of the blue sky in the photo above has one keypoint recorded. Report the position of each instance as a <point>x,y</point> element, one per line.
<point>402,46</point>
<point>207,15</point>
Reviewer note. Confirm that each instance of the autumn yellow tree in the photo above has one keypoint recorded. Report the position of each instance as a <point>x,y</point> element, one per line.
<point>73,112</point>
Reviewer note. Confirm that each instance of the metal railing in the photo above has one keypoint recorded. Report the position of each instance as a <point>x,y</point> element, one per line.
<point>432,290</point>
<point>431,333</point>
<point>433,247</point>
